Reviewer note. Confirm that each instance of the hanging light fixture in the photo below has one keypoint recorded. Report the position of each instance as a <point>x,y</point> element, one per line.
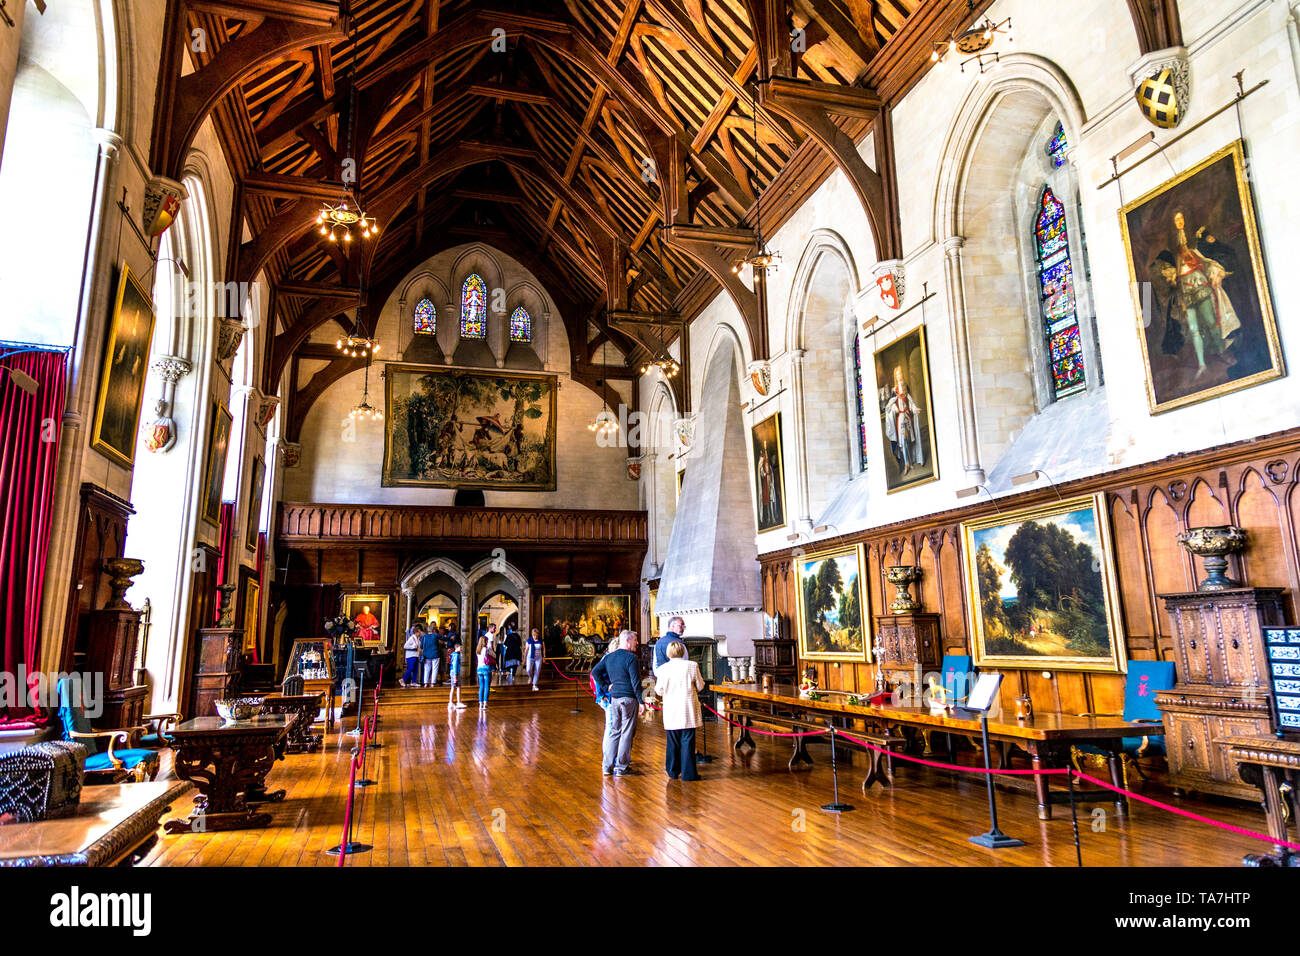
<point>336,221</point>
<point>605,421</point>
<point>664,364</point>
<point>974,42</point>
<point>355,345</point>
<point>762,260</point>
<point>363,410</point>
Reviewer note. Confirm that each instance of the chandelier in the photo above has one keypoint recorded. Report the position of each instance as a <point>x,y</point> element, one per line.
<point>604,422</point>
<point>761,260</point>
<point>337,220</point>
<point>356,346</point>
<point>974,42</point>
<point>664,365</point>
<point>363,410</point>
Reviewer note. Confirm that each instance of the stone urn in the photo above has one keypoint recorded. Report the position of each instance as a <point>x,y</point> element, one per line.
<point>902,576</point>
<point>121,571</point>
<point>227,605</point>
<point>1214,544</point>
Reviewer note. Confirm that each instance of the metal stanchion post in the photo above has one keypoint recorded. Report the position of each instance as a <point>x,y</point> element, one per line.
<point>836,806</point>
<point>361,691</point>
<point>364,781</point>
<point>702,755</point>
<point>576,708</point>
<point>1074,818</point>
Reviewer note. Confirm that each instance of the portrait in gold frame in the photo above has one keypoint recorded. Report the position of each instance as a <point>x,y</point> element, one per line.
<point>1200,291</point>
<point>122,377</point>
<point>906,359</point>
<point>841,594</point>
<point>1020,612</point>
<point>252,594</point>
<point>215,464</point>
<point>769,473</point>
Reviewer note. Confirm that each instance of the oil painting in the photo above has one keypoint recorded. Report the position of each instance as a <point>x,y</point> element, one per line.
<point>126,363</point>
<point>832,622</point>
<point>568,617</point>
<point>906,423</point>
<point>769,478</point>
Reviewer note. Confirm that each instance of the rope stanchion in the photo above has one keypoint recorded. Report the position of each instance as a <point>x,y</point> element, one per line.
<point>347,846</point>
<point>365,737</point>
<point>374,720</point>
<point>835,806</point>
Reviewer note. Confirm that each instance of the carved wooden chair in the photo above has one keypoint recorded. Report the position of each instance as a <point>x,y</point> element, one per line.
<point>105,763</point>
<point>1145,680</point>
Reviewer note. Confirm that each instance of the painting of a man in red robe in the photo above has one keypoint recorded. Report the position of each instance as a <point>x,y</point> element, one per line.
<point>369,613</point>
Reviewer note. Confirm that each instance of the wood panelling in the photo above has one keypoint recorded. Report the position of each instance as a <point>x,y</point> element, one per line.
<point>1250,484</point>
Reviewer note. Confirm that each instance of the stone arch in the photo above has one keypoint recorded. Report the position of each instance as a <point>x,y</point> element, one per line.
<point>532,354</point>
<point>494,565</point>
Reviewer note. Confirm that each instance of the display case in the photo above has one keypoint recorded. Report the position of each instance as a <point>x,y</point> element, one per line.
<point>313,660</point>
<point>704,651</point>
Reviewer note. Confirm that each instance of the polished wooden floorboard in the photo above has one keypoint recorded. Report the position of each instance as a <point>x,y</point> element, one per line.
<point>521,786</point>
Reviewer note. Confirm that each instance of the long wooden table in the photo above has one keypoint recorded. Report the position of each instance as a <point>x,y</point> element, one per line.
<point>1267,762</point>
<point>240,755</point>
<point>112,823</point>
<point>1042,736</point>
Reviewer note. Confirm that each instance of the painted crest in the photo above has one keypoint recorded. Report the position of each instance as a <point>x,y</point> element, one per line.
<point>266,410</point>
<point>1162,86</point>
<point>633,470</point>
<point>760,376</point>
<point>290,453</point>
<point>162,203</point>
<point>684,429</point>
<point>891,292</point>
<point>160,434</point>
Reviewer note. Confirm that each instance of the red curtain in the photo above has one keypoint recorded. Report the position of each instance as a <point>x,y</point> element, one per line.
<point>30,428</point>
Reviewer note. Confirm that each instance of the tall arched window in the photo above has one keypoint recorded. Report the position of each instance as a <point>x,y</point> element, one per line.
<point>862,402</point>
<point>426,318</point>
<point>521,325</point>
<point>473,307</point>
<point>1056,295</point>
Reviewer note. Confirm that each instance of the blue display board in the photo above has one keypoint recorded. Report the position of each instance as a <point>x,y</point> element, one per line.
<point>1282,645</point>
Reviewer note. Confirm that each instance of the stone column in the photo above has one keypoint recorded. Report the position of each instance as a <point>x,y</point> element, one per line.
<point>953,279</point>
<point>408,595</point>
<point>800,439</point>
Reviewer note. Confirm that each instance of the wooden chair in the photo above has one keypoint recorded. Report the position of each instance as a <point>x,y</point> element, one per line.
<point>1145,679</point>
<point>104,764</point>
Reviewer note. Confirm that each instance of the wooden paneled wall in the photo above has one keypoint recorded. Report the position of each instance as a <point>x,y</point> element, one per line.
<point>1249,484</point>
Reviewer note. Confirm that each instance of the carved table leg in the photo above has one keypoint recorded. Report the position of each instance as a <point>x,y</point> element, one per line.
<point>1115,758</point>
<point>1040,782</point>
<point>745,739</point>
<point>222,804</point>
<point>800,754</point>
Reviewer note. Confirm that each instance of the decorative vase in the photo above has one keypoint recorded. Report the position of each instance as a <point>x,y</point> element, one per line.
<point>227,605</point>
<point>1024,708</point>
<point>121,571</point>
<point>1214,544</point>
<point>902,576</point>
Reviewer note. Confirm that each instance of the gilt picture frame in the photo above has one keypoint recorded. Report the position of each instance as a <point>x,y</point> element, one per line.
<point>769,473</point>
<point>831,599</point>
<point>125,367</point>
<point>1041,589</point>
<point>215,461</point>
<point>906,412</point>
<point>1200,288</point>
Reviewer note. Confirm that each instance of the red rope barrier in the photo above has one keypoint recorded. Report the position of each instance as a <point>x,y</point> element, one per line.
<point>1048,771</point>
<point>347,812</point>
<point>755,730</point>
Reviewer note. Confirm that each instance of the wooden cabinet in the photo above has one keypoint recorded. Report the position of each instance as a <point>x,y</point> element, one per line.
<point>217,673</point>
<point>909,641</point>
<point>778,658</point>
<point>1222,688</point>
<point>111,636</point>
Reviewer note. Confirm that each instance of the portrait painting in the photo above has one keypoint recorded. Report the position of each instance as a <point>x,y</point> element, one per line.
<point>369,612</point>
<point>255,483</point>
<point>906,422</point>
<point>597,617</point>
<point>1041,588</point>
<point>1200,290</point>
<point>252,593</point>
<point>451,428</point>
<point>654,618</point>
<point>832,621</point>
<point>681,477</point>
<point>126,363</point>
<point>769,477</point>
<point>215,471</point>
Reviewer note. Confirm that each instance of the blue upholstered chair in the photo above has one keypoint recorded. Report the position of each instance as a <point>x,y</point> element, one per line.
<point>1145,680</point>
<point>104,762</point>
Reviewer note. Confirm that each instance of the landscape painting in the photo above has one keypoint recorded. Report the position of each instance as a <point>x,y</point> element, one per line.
<point>597,617</point>
<point>1042,589</point>
<point>1205,317</point>
<point>769,479</point>
<point>832,625</point>
<point>450,428</point>
<point>906,423</point>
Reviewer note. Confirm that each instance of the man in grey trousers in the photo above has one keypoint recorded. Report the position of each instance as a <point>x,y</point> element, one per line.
<point>618,674</point>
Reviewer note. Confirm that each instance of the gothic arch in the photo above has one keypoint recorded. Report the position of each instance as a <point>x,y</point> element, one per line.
<point>412,578</point>
<point>426,283</point>
<point>822,242</point>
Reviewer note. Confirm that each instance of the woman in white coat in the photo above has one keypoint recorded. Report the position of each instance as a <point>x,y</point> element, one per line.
<point>677,683</point>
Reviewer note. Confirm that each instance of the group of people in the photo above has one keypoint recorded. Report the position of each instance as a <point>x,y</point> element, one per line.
<point>617,676</point>
<point>502,654</point>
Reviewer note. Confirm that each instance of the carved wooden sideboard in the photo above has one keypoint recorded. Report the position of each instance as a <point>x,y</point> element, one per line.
<point>908,640</point>
<point>1223,687</point>
<point>777,657</point>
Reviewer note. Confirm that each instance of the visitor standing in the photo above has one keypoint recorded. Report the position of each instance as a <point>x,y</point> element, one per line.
<point>678,683</point>
<point>412,648</point>
<point>453,670</point>
<point>513,653</point>
<point>534,655</point>
<point>619,674</point>
<point>429,654</point>
<point>676,626</point>
<point>486,658</point>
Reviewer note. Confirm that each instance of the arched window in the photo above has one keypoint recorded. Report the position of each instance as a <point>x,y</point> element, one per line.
<point>862,402</point>
<point>521,325</point>
<point>1056,147</point>
<point>1056,295</point>
<point>473,307</point>
<point>426,318</point>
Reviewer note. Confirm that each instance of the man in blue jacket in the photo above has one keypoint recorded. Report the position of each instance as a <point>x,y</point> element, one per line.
<point>429,652</point>
<point>674,633</point>
<point>618,673</point>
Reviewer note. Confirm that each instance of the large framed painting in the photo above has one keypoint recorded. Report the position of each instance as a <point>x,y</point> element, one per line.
<point>597,617</point>
<point>769,476</point>
<point>1205,317</point>
<point>255,483</point>
<point>453,428</point>
<point>832,619</point>
<point>906,419</point>
<point>215,468</point>
<point>251,596</point>
<point>372,615</point>
<point>126,362</point>
<point>1041,588</point>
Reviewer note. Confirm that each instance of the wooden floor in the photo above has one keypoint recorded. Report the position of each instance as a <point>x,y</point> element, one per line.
<point>521,785</point>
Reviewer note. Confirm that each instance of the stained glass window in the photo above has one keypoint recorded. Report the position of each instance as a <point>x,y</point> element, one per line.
<point>862,402</point>
<point>521,325</point>
<point>1056,293</point>
<point>426,318</point>
<point>473,307</point>
<point>1057,146</point>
